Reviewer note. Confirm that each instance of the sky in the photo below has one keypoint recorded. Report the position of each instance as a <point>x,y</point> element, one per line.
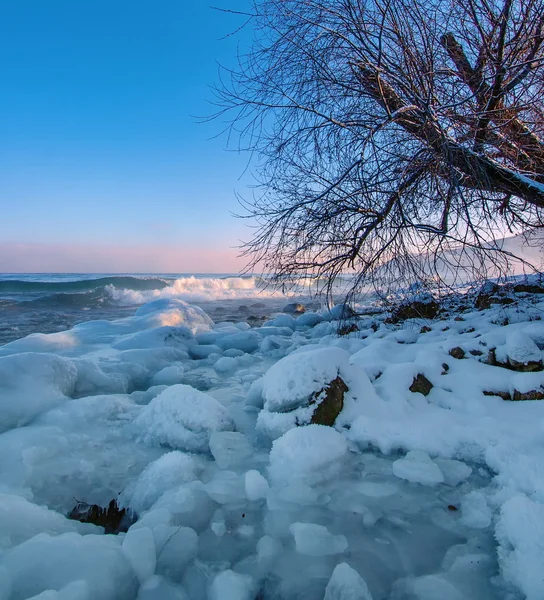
<point>104,165</point>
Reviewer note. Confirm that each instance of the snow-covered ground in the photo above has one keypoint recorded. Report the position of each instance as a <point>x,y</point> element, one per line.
<point>204,431</point>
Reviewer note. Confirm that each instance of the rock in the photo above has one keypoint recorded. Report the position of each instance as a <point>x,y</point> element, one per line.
<point>331,404</point>
<point>421,384</point>
<point>113,519</point>
<point>529,288</point>
<point>532,395</point>
<point>503,395</point>
<point>523,354</point>
<point>425,329</point>
<point>347,329</point>
<point>457,352</point>
<point>294,308</point>
<point>427,309</point>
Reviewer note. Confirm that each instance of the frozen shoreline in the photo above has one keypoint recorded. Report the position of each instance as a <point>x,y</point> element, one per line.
<point>424,497</point>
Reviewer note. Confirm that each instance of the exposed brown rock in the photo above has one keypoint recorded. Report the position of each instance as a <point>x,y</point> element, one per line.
<point>421,384</point>
<point>113,519</point>
<point>528,288</point>
<point>425,329</point>
<point>457,352</point>
<point>415,310</point>
<point>503,395</point>
<point>331,405</point>
<point>532,395</point>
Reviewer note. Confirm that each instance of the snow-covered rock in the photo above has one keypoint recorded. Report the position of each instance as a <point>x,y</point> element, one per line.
<point>293,380</point>
<point>523,354</point>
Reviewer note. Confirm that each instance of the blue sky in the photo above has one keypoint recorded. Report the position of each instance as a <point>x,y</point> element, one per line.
<point>101,151</point>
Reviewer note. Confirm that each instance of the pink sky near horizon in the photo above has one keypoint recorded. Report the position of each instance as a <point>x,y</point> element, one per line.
<point>109,258</point>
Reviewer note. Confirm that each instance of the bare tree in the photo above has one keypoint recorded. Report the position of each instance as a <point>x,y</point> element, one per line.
<point>392,138</point>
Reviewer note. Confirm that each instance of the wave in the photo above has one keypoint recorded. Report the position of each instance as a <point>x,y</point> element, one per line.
<point>198,289</point>
<point>19,286</point>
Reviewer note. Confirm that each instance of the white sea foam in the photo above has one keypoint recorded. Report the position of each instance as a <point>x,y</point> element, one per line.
<point>198,289</point>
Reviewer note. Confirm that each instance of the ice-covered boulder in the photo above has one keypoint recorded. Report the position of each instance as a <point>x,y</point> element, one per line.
<point>170,470</point>
<point>418,467</point>
<point>522,352</point>
<point>182,417</point>
<point>307,387</point>
<point>282,321</point>
<point>346,584</point>
<point>172,311</point>
<point>309,319</point>
<point>308,454</point>
<point>293,380</point>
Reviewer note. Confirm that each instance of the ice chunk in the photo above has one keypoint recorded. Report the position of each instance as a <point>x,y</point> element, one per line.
<point>21,520</point>
<point>168,376</point>
<point>346,584</point>
<point>226,487</point>
<point>256,485</point>
<point>229,585</point>
<point>139,548</point>
<point>292,380</point>
<point>32,383</point>
<point>255,394</point>
<point>268,548</point>
<point>182,417</point>
<point>417,467</point>
<point>229,448</point>
<point>474,510</point>
<point>247,341</point>
<point>225,364</point>
<point>309,454</point>
<point>176,546</point>
<point>158,588</point>
<point>49,563</point>
<point>77,590</point>
<point>309,319</point>
<point>454,471</point>
<point>316,540</point>
<point>282,321</point>
<point>168,471</point>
